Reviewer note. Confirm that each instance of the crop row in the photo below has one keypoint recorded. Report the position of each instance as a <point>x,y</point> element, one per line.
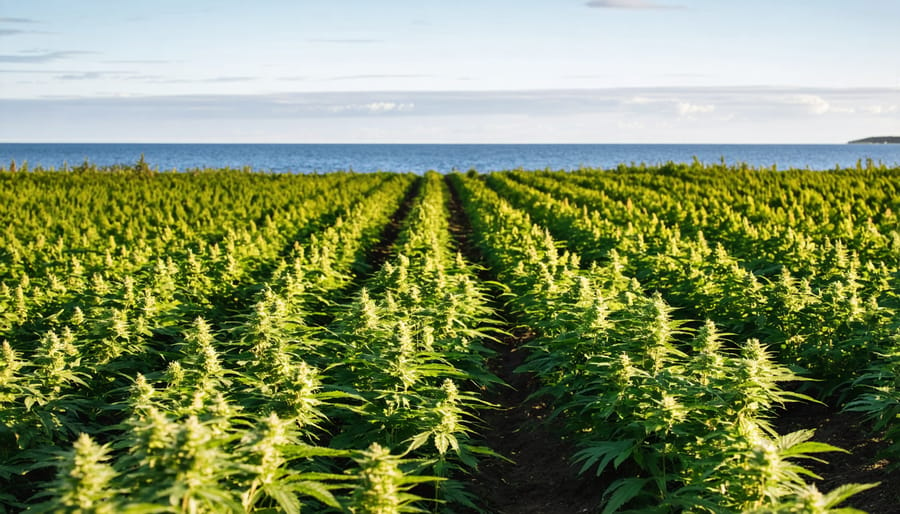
<point>188,390</point>
<point>682,415</point>
<point>237,342</point>
<point>822,291</point>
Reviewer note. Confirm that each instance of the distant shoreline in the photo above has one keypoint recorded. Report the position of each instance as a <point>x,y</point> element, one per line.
<point>310,158</point>
<point>879,140</point>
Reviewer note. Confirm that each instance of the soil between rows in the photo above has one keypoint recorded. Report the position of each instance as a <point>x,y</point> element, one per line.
<point>862,465</point>
<point>538,477</point>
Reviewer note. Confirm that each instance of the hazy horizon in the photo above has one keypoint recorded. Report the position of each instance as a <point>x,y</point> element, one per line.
<point>494,71</point>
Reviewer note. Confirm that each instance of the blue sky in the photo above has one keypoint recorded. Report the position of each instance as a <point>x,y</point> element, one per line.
<point>431,71</point>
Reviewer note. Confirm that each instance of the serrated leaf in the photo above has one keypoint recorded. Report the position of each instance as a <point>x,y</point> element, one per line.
<point>841,493</point>
<point>418,440</point>
<point>605,452</point>
<point>621,492</point>
<point>284,496</point>
<point>802,449</point>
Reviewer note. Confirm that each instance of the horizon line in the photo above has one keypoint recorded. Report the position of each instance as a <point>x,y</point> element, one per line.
<point>456,143</point>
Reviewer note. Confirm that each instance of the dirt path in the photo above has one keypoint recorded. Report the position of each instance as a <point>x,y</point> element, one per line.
<point>370,260</point>
<point>540,478</point>
<point>862,465</point>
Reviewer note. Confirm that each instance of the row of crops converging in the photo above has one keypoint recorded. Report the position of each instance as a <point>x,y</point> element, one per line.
<point>226,341</point>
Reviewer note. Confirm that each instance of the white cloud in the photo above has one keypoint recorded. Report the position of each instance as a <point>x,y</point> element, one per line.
<point>344,40</point>
<point>686,108</point>
<point>629,4</point>
<point>388,106</point>
<point>374,107</point>
<point>729,114</point>
<point>818,105</point>
<point>41,57</point>
<point>631,125</point>
<point>681,106</point>
<point>815,104</point>
<point>6,19</point>
<point>880,109</point>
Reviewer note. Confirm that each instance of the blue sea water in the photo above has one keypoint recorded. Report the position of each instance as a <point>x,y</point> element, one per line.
<point>306,158</point>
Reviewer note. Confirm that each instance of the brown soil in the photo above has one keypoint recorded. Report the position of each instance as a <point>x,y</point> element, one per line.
<point>538,477</point>
<point>371,261</point>
<point>862,465</point>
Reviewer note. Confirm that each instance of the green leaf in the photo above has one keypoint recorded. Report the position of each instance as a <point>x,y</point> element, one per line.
<point>330,395</point>
<point>467,457</point>
<point>418,440</point>
<point>802,449</point>
<point>605,452</point>
<point>484,450</point>
<point>621,492</point>
<point>321,476</point>
<point>841,493</point>
<point>285,497</point>
<point>145,508</point>
<point>303,450</point>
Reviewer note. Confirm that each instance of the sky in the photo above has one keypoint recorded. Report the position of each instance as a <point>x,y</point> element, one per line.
<point>440,71</point>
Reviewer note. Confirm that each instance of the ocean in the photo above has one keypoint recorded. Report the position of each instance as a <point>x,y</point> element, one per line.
<point>310,158</point>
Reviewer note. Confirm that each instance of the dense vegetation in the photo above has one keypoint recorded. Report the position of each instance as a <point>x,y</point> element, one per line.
<point>877,140</point>
<point>225,341</point>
